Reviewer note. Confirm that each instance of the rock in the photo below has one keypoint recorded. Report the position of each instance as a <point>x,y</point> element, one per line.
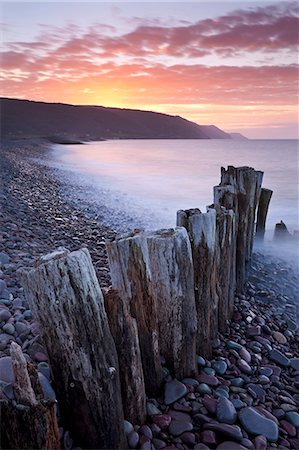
<point>226,412</point>
<point>133,439</point>
<point>46,387</point>
<point>9,328</point>
<point>221,392</point>
<point>293,418</point>
<point>177,427</point>
<point>279,337</point>
<point>288,427</point>
<point>22,328</point>
<point>177,415</point>
<point>151,409</point>
<point>256,391</point>
<point>40,357</point>
<point>230,445</point>
<point>210,380</point>
<point>220,367</point>
<point>279,358</point>
<point>245,355</point>
<point>204,389</point>
<point>6,370</point>
<point>158,443</point>
<point>209,371</point>
<point>145,430</point>
<point>210,404</point>
<point>4,259</point>
<point>128,427</point>
<point>231,431</point>
<point>201,447</point>
<point>253,330</point>
<point>243,366</point>
<point>188,438</point>
<point>256,423</point>
<point>174,390</point>
<point>162,420</point>
<point>2,286</point>
<point>44,368</point>
<point>208,437</point>
<point>238,382</point>
<point>27,315</point>
<point>260,442</point>
<point>190,382</point>
<point>233,345</point>
<point>4,315</point>
<point>238,404</point>
<point>295,363</point>
<point>201,361</point>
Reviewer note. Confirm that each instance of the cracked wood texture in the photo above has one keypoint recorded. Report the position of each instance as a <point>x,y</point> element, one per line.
<point>246,183</point>
<point>34,426</point>
<point>67,302</point>
<point>125,333</point>
<point>131,276</point>
<point>262,212</point>
<point>201,228</point>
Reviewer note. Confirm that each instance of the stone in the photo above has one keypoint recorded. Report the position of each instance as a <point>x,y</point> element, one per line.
<point>208,437</point>
<point>4,315</point>
<point>6,370</point>
<point>243,366</point>
<point>231,431</point>
<point>220,367</point>
<point>188,438</point>
<point>210,404</point>
<point>295,363</point>
<point>177,427</point>
<point>2,286</point>
<point>256,391</point>
<point>4,259</point>
<point>190,382</point>
<point>260,442</point>
<point>201,447</point>
<point>288,427</point>
<point>44,368</point>
<point>266,371</point>
<point>245,355</point>
<point>201,361</point>
<point>178,415</point>
<point>128,427</point>
<point>9,328</point>
<point>22,328</point>
<point>40,357</point>
<point>204,389</point>
<point>238,404</point>
<point>174,390</point>
<point>233,345</point>
<point>133,439</point>
<point>209,371</point>
<point>293,418</point>
<point>253,330</point>
<point>210,380</point>
<point>238,382</point>
<point>226,412</point>
<point>256,423</point>
<point>145,430</point>
<point>158,443</point>
<point>27,315</point>
<point>279,337</point>
<point>48,391</point>
<point>279,358</point>
<point>230,445</point>
<point>151,409</point>
<point>162,420</point>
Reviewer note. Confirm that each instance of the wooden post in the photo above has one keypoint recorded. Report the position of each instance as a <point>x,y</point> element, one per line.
<point>67,302</point>
<point>226,260</point>
<point>131,276</point>
<point>125,333</point>
<point>262,212</point>
<point>247,187</point>
<point>170,258</point>
<point>32,422</point>
<point>202,233</point>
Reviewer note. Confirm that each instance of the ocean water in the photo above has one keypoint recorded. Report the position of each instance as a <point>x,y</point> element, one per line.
<point>133,183</point>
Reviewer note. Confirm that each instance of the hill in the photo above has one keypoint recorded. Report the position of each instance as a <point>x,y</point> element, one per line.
<point>62,122</point>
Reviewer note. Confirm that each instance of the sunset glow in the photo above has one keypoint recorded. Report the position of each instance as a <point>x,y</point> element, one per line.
<point>236,69</point>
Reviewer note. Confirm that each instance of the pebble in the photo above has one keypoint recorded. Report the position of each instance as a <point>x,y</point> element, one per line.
<point>293,418</point>
<point>208,437</point>
<point>230,445</point>
<point>201,361</point>
<point>201,447</point>
<point>6,370</point>
<point>210,380</point>
<point>177,427</point>
<point>22,328</point>
<point>279,337</point>
<point>151,409</point>
<point>295,363</point>
<point>158,443</point>
<point>190,382</point>
<point>174,390</point>
<point>233,345</point>
<point>48,391</point>
<point>4,258</point>
<point>256,423</point>
<point>4,315</point>
<point>288,427</point>
<point>128,427</point>
<point>162,420</point>
<point>133,439</point>
<point>145,430</point>
<point>2,286</point>
<point>243,366</point>
<point>220,367</point>
<point>231,431</point>
<point>226,412</point>
<point>279,358</point>
<point>9,328</point>
<point>260,442</point>
<point>245,355</point>
<point>204,389</point>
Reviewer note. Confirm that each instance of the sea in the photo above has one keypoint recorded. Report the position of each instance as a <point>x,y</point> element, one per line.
<point>142,183</point>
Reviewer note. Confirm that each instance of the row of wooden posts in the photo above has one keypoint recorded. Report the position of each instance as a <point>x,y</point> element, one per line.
<point>172,291</point>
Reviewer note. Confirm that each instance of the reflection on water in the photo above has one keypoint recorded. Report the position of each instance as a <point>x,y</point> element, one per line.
<point>167,175</point>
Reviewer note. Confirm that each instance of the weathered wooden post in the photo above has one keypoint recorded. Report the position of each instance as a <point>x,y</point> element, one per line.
<point>125,333</point>
<point>201,228</point>
<point>154,272</point>
<point>246,183</point>
<point>67,302</point>
<point>32,422</point>
<point>262,212</point>
<point>131,276</point>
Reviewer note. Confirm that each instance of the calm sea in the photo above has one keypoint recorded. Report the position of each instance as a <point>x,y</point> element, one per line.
<point>144,182</point>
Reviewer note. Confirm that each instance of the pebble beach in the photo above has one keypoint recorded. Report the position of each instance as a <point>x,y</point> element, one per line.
<point>245,397</point>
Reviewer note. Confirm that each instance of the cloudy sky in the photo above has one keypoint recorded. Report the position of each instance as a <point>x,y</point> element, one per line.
<point>233,64</point>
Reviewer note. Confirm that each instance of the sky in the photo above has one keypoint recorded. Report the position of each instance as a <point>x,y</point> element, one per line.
<point>231,64</point>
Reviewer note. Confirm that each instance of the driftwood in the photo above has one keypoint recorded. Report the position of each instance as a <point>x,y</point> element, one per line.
<point>262,212</point>
<point>202,232</point>
<point>32,422</point>
<point>125,333</point>
<point>131,276</point>
<point>226,261</point>
<point>67,302</point>
<point>170,259</point>
<point>246,183</point>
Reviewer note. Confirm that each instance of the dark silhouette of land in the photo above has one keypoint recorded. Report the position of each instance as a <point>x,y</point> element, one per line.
<point>71,124</point>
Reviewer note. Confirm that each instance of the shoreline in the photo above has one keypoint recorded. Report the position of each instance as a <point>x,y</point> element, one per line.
<point>36,219</point>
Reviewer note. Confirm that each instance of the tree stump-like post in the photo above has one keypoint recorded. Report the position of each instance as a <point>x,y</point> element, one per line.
<point>67,302</point>
<point>247,185</point>
<point>131,276</point>
<point>170,258</point>
<point>201,228</point>
<point>226,260</point>
<point>125,333</point>
<point>262,212</point>
<point>31,423</point>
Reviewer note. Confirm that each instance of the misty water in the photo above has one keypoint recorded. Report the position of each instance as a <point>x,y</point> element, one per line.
<point>147,181</point>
